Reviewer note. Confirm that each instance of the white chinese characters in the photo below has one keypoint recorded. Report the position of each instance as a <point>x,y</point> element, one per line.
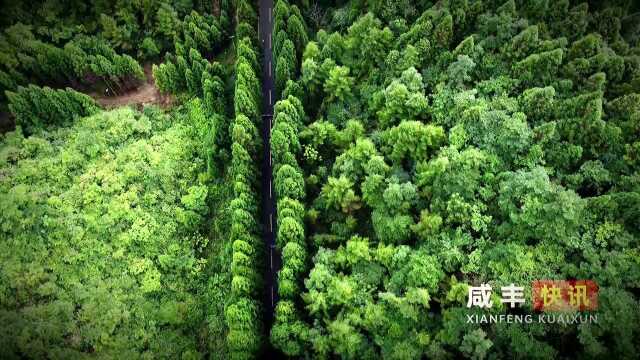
<point>480,296</point>
<point>512,295</point>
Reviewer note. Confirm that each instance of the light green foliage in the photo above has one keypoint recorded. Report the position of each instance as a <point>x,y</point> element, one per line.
<point>148,49</point>
<point>368,42</point>
<point>167,20</point>
<point>338,194</point>
<point>108,255</point>
<point>241,309</point>
<point>290,191</point>
<point>383,312</point>
<point>289,182</point>
<point>412,140</point>
<point>403,99</point>
<point>339,84</point>
<point>119,244</point>
<point>166,77</point>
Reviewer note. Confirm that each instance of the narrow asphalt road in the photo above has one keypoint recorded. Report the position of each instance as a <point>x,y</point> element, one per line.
<point>273,262</point>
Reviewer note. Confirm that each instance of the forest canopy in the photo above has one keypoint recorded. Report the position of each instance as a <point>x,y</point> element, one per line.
<point>317,179</point>
<point>102,228</point>
<point>451,144</point>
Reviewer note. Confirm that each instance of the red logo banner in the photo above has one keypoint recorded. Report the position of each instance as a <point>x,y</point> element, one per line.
<point>564,295</point>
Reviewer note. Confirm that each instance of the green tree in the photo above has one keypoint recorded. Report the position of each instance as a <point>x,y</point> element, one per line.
<point>339,84</point>
<point>286,65</point>
<point>35,107</point>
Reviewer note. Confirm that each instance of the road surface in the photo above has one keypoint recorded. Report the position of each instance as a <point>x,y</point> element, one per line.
<point>265,26</point>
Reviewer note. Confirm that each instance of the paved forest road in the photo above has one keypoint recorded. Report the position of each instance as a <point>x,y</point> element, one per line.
<point>265,27</point>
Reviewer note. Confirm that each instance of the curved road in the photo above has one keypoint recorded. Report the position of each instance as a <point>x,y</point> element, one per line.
<point>265,26</point>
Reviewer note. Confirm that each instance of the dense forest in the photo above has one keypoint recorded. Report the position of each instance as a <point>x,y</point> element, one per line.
<point>418,149</point>
<point>450,144</point>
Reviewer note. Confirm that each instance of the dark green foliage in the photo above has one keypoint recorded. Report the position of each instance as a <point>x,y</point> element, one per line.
<point>246,13</point>
<point>285,65</point>
<point>187,73</point>
<point>539,69</point>
<point>199,36</point>
<point>289,41</point>
<point>213,94</point>
<point>450,145</point>
<point>202,32</point>
<point>35,107</point>
<point>82,60</point>
<point>128,27</point>
<point>78,45</point>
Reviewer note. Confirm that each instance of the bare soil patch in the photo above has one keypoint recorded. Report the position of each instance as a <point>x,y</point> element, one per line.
<point>145,94</point>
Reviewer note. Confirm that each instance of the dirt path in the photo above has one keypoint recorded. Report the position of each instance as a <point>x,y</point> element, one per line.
<point>145,94</point>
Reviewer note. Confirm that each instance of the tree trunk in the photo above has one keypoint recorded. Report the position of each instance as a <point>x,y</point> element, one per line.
<point>216,8</point>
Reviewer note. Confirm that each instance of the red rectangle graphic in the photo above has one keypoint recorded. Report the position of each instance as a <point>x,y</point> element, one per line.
<point>564,295</point>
